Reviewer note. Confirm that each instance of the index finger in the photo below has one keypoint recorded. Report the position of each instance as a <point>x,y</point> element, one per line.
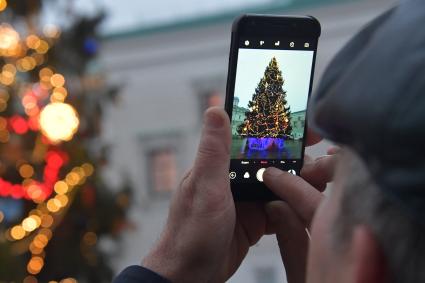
<point>300,195</point>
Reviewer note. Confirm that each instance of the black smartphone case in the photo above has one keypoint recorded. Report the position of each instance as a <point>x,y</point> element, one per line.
<point>297,26</point>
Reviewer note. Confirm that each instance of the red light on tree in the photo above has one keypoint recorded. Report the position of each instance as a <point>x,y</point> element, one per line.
<point>19,125</point>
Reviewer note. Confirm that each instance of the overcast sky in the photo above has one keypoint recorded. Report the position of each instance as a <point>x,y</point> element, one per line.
<point>130,14</point>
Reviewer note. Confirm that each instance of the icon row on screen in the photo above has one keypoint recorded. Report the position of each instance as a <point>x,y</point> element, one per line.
<point>258,175</point>
<point>247,162</point>
<point>278,43</point>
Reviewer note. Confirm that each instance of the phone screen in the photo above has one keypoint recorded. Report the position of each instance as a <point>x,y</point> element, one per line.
<point>268,120</point>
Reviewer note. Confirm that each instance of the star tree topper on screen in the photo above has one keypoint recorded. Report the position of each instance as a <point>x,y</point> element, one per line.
<point>270,76</point>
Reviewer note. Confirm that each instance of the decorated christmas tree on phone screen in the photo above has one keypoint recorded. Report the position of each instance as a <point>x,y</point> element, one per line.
<point>267,122</point>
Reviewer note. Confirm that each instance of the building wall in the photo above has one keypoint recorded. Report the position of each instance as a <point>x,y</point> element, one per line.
<point>167,80</point>
<point>297,123</point>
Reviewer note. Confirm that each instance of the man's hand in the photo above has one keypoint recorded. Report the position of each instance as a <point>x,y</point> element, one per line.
<point>206,237</point>
<point>290,218</point>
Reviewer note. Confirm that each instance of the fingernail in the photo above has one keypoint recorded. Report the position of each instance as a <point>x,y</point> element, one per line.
<point>213,120</point>
<point>273,172</point>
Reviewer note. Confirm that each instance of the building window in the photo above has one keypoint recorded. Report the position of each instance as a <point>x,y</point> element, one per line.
<point>209,91</point>
<point>163,170</point>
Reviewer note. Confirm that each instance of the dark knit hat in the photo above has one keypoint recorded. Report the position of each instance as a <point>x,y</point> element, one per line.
<point>372,99</point>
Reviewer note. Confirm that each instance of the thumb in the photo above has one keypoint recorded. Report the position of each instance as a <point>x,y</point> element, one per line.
<point>213,157</point>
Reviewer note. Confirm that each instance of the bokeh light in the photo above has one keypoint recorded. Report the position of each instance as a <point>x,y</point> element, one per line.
<point>88,169</point>
<point>29,224</point>
<point>61,187</point>
<point>52,31</point>
<point>59,122</point>
<point>17,232</point>
<point>9,41</point>
<point>3,5</point>
<point>53,205</point>
<point>26,171</point>
<point>35,264</point>
<point>46,221</point>
<point>57,80</point>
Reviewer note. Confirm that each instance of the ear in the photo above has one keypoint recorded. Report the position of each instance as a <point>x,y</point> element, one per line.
<point>369,262</point>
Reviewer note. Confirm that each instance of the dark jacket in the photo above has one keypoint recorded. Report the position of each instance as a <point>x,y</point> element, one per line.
<point>139,274</point>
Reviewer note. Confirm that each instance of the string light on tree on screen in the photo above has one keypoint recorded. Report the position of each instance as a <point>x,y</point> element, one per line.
<point>268,115</point>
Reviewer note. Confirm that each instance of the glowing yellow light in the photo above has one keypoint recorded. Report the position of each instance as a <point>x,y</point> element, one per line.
<point>1,216</point>
<point>35,265</point>
<point>57,80</point>
<point>53,205</point>
<point>46,232</point>
<point>46,221</point>
<point>26,64</point>
<point>34,192</point>
<point>43,47</point>
<point>29,224</point>
<point>81,173</point>
<point>32,41</point>
<point>36,218</point>
<point>61,187</point>
<point>38,58</point>
<point>17,232</point>
<point>63,199</point>
<point>9,69</point>
<point>45,74</point>
<point>40,241</point>
<point>59,121</point>
<point>6,80</point>
<point>88,169</point>
<point>72,178</point>
<point>35,250</point>
<point>9,40</point>
<point>68,280</point>
<point>51,31</point>
<point>3,5</point>
<point>59,94</point>
<point>26,171</point>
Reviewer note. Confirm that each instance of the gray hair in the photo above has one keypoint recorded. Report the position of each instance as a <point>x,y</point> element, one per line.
<point>401,238</point>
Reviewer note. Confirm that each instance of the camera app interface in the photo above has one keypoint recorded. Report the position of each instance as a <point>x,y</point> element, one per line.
<point>269,106</point>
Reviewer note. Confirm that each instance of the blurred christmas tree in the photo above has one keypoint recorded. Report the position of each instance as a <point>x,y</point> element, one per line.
<point>56,214</point>
<point>269,115</point>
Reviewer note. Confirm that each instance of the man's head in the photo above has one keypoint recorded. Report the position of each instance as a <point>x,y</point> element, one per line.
<point>361,234</point>
<point>371,101</point>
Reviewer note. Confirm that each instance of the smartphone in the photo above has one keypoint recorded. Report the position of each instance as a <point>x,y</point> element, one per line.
<point>270,77</point>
